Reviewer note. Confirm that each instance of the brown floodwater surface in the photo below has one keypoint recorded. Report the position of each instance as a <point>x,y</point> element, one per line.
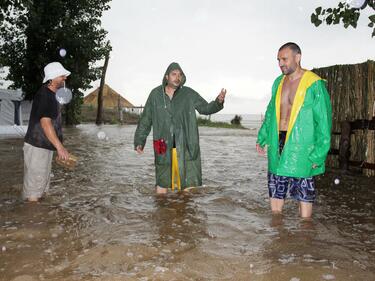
<point>103,221</point>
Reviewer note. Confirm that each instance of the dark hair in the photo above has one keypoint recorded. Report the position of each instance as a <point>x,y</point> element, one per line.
<point>293,46</point>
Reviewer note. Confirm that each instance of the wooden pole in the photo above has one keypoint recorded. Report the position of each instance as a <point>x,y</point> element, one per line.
<point>99,114</point>
<point>119,108</point>
<point>344,153</point>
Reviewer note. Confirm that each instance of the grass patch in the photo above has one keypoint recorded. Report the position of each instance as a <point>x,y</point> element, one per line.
<point>209,123</point>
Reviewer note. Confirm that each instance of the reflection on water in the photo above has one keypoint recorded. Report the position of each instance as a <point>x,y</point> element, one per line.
<point>103,221</point>
<point>178,221</point>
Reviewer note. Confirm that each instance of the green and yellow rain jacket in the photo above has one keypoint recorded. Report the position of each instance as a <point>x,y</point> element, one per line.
<point>308,136</point>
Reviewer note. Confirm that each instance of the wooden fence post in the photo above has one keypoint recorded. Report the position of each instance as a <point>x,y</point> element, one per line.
<point>344,146</point>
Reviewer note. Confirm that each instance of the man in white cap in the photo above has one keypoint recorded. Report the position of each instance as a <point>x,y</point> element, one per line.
<point>44,134</point>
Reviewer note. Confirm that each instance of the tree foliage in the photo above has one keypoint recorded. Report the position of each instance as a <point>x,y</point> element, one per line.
<point>342,14</point>
<point>32,33</point>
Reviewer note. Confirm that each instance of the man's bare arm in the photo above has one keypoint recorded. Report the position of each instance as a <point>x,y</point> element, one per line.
<point>50,133</point>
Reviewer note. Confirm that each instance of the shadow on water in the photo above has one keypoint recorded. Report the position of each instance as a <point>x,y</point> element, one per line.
<point>103,221</point>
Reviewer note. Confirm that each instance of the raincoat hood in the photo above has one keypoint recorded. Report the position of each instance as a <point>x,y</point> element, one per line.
<point>171,67</point>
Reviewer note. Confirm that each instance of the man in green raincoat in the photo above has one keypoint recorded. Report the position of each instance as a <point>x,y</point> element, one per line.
<point>296,131</point>
<point>170,111</point>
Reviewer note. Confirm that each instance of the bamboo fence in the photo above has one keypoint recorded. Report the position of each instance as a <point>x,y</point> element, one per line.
<point>352,91</point>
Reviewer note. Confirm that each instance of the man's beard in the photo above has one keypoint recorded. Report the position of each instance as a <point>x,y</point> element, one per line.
<point>174,84</point>
<point>288,70</point>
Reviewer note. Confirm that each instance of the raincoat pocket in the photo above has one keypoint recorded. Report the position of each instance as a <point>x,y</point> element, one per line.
<point>161,152</point>
<point>160,146</point>
<point>163,159</point>
<point>297,159</point>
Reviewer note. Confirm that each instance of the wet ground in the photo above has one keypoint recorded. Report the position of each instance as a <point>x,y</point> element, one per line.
<point>102,221</point>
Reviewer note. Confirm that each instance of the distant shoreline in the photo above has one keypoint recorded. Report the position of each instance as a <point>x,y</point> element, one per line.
<point>216,124</point>
<point>111,116</point>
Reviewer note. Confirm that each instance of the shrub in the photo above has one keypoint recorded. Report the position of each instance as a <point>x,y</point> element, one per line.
<point>236,120</point>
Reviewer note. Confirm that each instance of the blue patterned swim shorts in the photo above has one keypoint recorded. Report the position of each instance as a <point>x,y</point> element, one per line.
<point>301,189</point>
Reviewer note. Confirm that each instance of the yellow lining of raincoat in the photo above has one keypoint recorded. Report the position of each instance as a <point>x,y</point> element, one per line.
<point>175,170</point>
<point>307,80</point>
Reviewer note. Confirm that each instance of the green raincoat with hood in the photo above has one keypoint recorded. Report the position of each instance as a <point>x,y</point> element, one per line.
<point>174,120</point>
<point>308,136</point>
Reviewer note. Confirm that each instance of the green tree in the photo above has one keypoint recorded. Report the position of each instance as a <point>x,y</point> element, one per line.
<point>34,31</point>
<point>343,14</point>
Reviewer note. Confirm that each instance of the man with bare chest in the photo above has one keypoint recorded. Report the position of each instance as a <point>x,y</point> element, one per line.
<point>297,132</point>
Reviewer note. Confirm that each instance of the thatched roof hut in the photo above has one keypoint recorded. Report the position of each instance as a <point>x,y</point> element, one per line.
<point>352,91</point>
<point>111,99</point>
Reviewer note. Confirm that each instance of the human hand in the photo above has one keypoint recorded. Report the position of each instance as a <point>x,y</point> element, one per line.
<point>62,153</point>
<point>139,149</point>
<point>260,150</point>
<point>221,96</point>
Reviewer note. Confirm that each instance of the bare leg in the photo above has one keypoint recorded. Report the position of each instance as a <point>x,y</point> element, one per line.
<point>32,199</point>
<point>161,190</point>
<point>276,205</point>
<point>277,219</point>
<point>305,210</point>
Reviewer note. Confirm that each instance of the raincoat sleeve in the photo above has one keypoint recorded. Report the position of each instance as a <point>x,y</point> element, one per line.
<point>144,124</point>
<point>264,129</point>
<point>270,113</point>
<point>322,114</point>
<point>203,107</point>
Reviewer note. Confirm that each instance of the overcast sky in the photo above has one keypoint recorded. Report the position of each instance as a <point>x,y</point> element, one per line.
<point>222,43</point>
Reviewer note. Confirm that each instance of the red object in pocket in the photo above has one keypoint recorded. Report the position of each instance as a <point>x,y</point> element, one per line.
<point>160,146</point>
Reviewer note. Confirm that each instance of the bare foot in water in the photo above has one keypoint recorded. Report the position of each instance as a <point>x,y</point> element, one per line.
<point>161,190</point>
<point>33,199</point>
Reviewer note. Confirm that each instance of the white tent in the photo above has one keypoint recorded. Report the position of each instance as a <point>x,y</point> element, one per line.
<point>14,113</point>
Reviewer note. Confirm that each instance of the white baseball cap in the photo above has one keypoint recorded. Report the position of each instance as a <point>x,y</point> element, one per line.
<point>53,70</point>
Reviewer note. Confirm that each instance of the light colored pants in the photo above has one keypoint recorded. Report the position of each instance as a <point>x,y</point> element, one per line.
<point>37,171</point>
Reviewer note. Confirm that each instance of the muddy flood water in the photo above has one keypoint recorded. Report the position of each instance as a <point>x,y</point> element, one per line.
<point>103,221</point>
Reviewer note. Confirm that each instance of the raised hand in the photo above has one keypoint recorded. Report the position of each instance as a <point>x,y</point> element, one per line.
<point>221,96</point>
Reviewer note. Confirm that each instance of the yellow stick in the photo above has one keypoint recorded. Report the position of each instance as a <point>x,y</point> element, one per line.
<point>175,170</point>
